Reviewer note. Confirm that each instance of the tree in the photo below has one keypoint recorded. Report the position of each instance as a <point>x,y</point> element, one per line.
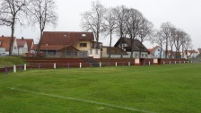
<point>144,32</point>
<point>166,33</point>
<point>179,40</point>
<point>158,39</point>
<point>132,22</point>
<point>109,25</point>
<point>11,12</point>
<point>93,20</point>
<point>42,12</point>
<point>172,39</point>
<point>120,14</point>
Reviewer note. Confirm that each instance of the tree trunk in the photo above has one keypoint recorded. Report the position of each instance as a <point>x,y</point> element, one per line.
<point>11,40</point>
<point>132,42</point>
<point>110,45</point>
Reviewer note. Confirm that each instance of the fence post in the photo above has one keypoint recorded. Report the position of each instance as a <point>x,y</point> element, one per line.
<point>20,67</point>
<point>129,63</point>
<point>14,68</point>
<point>80,65</point>
<point>38,66</point>
<point>175,62</point>
<point>116,64</point>
<point>68,65</point>
<point>184,62</point>
<point>100,64</point>
<point>6,70</point>
<point>55,65</point>
<point>25,67</point>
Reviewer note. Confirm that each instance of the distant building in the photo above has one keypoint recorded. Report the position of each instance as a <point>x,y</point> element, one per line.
<point>70,44</point>
<point>157,52</point>
<point>5,45</point>
<point>125,44</point>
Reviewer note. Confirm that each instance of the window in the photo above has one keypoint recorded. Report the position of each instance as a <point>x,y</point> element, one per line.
<point>83,44</point>
<point>83,35</point>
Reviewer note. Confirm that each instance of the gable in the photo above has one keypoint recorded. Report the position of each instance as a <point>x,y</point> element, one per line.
<point>127,42</point>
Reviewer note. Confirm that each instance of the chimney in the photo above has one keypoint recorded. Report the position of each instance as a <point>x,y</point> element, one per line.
<point>2,35</point>
<point>22,38</point>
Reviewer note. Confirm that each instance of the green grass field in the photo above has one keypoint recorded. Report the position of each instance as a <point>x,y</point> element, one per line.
<point>143,89</point>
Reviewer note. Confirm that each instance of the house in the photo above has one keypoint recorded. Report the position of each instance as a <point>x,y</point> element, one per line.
<point>114,51</point>
<point>30,43</point>
<point>69,44</point>
<point>191,53</point>
<point>125,44</point>
<point>5,45</point>
<point>22,46</point>
<point>157,52</point>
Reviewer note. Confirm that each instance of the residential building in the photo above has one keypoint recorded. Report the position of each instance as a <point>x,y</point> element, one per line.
<point>125,44</point>
<point>114,51</point>
<point>191,53</point>
<point>22,46</point>
<point>5,45</point>
<point>69,44</point>
<point>157,52</point>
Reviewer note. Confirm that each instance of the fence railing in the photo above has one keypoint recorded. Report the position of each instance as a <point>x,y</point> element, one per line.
<point>24,67</point>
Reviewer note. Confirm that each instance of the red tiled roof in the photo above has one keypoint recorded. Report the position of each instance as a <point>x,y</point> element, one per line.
<point>153,49</point>
<point>29,42</point>
<point>5,42</point>
<point>57,40</point>
<point>34,47</point>
<point>192,51</point>
<point>20,42</point>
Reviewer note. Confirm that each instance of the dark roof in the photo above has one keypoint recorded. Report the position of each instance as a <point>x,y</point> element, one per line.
<point>136,46</point>
<point>57,40</point>
<point>116,51</point>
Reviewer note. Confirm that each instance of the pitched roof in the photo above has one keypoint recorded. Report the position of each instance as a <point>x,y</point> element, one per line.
<point>153,49</point>
<point>192,51</point>
<point>20,42</point>
<point>59,39</point>
<point>29,42</point>
<point>136,46</point>
<point>5,42</point>
<point>116,51</point>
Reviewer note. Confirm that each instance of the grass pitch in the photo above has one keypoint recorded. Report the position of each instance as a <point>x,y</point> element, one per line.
<point>145,89</point>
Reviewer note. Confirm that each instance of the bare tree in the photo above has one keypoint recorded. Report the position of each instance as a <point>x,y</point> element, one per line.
<point>144,32</point>
<point>92,20</point>
<point>172,40</point>
<point>133,20</point>
<point>179,40</point>
<point>109,25</point>
<point>158,39</point>
<point>42,13</point>
<point>120,14</point>
<point>166,33</point>
<point>11,12</point>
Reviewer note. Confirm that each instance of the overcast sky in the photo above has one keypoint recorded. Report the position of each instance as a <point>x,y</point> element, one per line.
<point>184,14</point>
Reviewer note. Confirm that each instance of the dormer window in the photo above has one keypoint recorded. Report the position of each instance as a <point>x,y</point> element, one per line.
<point>83,35</point>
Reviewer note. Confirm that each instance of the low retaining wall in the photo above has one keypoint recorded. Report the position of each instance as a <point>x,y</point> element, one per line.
<point>79,63</point>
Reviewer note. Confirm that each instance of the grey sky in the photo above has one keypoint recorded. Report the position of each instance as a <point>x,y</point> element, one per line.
<point>183,14</point>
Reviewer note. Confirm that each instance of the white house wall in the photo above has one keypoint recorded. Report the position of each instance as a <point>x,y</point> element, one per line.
<point>15,49</point>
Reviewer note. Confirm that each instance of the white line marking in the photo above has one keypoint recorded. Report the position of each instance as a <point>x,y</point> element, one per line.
<point>81,100</point>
